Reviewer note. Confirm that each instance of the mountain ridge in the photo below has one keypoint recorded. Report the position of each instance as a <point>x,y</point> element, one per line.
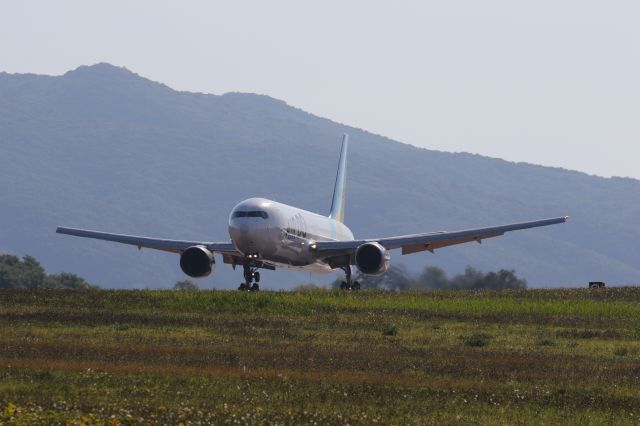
<point>109,70</point>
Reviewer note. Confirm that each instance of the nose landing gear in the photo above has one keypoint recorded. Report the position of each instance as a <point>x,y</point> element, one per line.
<point>349,284</point>
<point>251,275</point>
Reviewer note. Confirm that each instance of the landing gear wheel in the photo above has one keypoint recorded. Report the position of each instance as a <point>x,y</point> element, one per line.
<point>251,275</point>
<point>349,284</point>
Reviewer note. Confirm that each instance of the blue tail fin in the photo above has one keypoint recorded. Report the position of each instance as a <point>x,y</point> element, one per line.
<point>337,204</point>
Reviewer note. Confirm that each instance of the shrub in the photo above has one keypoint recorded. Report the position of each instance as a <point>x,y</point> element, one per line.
<point>186,285</point>
<point>21,273</point>
<point>66,280</point>
<point>621,351</point>
<point>477,340</point>
<point>390,330</point>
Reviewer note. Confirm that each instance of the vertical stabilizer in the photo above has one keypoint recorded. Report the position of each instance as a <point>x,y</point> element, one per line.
<point>337,204</point>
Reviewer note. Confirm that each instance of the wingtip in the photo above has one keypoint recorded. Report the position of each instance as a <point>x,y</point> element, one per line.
<point>63,230</point>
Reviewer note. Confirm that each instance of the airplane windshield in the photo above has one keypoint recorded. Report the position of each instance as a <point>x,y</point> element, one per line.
<point>261,214</point>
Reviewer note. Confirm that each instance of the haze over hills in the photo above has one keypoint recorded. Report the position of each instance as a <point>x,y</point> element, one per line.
<point>103,148</point>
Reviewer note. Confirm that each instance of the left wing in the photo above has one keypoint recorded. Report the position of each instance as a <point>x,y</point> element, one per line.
<point>174,246</point>
<point>432,240</point>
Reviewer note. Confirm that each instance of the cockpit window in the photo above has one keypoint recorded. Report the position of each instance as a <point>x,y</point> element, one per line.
<point>256,213</point>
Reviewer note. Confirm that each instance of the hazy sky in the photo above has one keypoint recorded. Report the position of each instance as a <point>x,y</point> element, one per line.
<point>548,82</point>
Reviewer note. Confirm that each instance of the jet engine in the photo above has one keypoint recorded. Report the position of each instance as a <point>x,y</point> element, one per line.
<point>197,262</point>
<point>372,259</point>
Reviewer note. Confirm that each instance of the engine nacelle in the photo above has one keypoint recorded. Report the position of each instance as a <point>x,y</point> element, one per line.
<point>372,259</point>
<point>197,262</point>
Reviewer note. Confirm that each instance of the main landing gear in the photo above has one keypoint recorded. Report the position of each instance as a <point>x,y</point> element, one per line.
<point>349,284</point>
<point>251,275</point>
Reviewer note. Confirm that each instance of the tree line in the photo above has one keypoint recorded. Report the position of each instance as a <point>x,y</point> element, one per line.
<point>397,278</point>
<point>28,273</point>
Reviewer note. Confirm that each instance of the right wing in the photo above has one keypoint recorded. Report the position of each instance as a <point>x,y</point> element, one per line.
<point>432,240</point>
<point>174,246</point>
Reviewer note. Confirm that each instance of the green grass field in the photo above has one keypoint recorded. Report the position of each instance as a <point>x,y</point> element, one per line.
<point>140,357</point>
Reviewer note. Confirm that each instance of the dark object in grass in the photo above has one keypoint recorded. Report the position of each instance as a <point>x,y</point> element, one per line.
<point>597,284</point>
<point>621,351</point>
<point>122,327</point>
<point>545,342</point>
<point>477,340</point>
<point>390,330</point>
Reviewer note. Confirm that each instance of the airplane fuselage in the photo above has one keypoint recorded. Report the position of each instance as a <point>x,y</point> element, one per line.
<point>283,234</point>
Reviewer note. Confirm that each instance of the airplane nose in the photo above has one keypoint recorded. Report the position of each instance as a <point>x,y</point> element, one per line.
<point>250,225</point>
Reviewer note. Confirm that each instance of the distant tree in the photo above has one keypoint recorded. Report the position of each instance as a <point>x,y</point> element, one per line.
<point>433,277</point>
<point>16,273</point>
<point>28,273</point>
<point>186,285</point>
<point>397,278</point>
<point>473,279</point>
<point>503,279</point>
<point>470,279</point>
<point>66,280</point>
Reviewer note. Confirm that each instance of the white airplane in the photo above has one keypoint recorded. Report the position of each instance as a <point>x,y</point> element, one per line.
<point>270,235</point>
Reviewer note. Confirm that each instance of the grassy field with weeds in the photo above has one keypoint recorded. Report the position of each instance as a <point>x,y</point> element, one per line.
<point>320,357</point>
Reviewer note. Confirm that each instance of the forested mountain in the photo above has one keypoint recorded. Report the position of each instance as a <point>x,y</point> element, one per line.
<point>103,148</point>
